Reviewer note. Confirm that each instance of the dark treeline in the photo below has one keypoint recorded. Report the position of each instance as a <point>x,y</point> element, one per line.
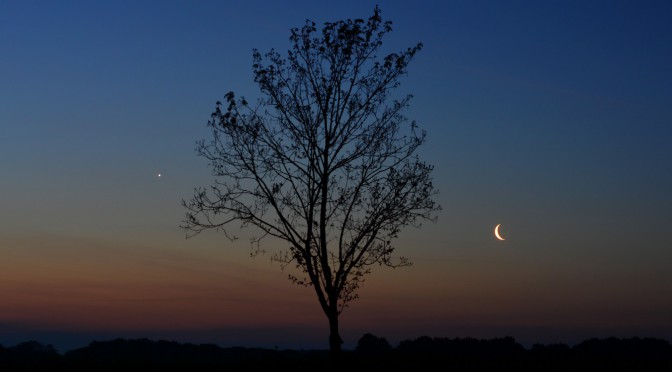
<point>643,354</point>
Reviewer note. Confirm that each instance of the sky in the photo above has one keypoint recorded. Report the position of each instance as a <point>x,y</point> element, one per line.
<point>551,118</point>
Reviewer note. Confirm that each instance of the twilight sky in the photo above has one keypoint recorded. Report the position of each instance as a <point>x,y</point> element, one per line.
<point>553,118</point>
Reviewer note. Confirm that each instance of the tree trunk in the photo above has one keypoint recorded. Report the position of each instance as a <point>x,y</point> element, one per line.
<point>335,340</point>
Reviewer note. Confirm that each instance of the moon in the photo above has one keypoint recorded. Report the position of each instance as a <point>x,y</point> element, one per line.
<point>497,232</point>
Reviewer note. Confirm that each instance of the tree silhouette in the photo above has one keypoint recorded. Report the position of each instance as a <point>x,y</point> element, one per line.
<point>324,161</point>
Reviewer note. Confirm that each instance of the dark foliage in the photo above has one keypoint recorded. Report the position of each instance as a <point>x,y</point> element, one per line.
<point>423,353</point>
<point>460,352</point>
<point>634,353</point>
<point>30,356</point>
<point>123,354</point>
<point>370,344</point>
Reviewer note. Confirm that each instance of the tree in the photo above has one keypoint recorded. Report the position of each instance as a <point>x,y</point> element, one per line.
<point>320,161</point>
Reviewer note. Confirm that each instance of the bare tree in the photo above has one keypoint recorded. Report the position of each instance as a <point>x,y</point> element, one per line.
<point>325,161</point>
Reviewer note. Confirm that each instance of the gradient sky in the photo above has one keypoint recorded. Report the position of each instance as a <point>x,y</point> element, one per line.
<point>553,118</point>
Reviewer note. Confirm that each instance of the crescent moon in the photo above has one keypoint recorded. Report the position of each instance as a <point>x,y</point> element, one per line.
<point>497,232</point>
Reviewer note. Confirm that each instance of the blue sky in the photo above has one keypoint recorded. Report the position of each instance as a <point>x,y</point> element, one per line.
<point>551,118</point>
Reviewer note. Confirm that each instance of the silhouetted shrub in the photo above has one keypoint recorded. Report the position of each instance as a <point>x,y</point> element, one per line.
<point>30,356</point>
<point>370,344</point>
<point>633,353</point>
<point>461,352</point>
<point>33,348</point>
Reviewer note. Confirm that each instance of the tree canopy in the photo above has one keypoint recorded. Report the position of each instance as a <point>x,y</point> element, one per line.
<point>324,160</point>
